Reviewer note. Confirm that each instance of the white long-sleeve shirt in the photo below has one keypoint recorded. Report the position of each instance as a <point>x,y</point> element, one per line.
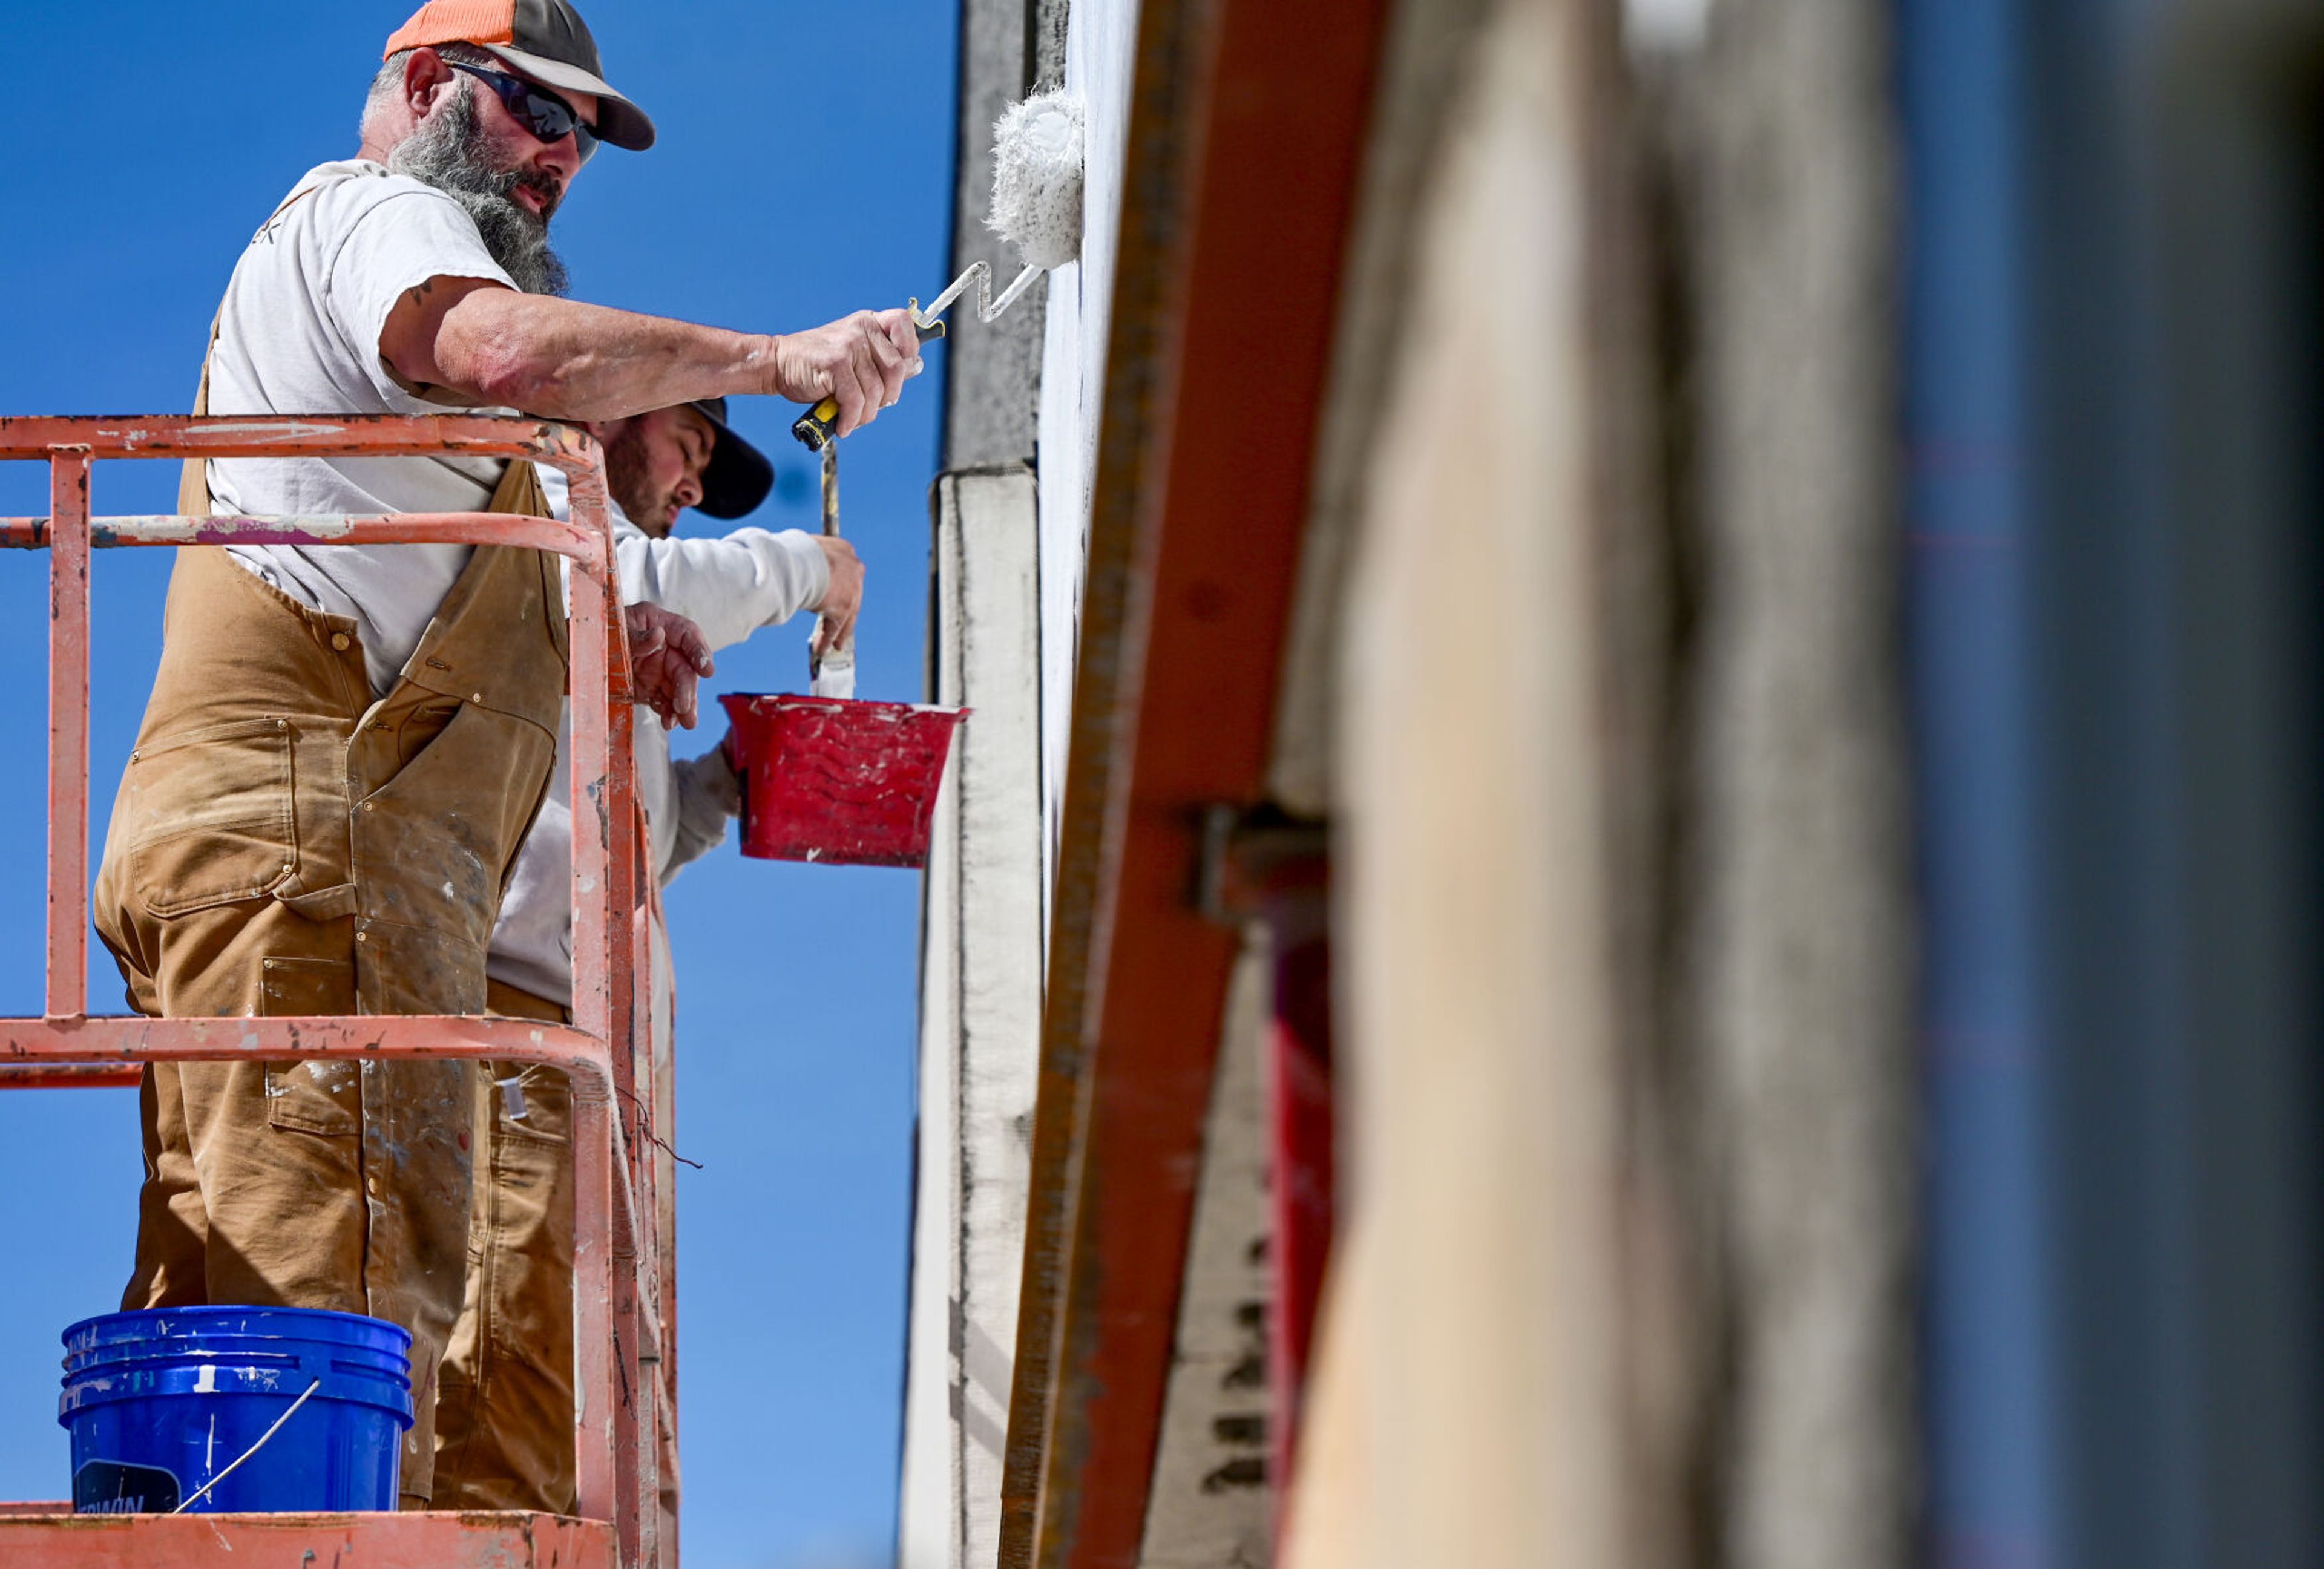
<point>730,585</point>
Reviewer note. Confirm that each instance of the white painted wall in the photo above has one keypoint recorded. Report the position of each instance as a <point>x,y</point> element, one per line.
<point>980,1026</point>
<point>1100,48</point>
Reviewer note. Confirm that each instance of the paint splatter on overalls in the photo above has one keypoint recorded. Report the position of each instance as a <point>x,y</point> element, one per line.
<point>282,844</point>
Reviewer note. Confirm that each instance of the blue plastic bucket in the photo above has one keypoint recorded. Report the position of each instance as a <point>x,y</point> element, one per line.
<point>161,1403</point>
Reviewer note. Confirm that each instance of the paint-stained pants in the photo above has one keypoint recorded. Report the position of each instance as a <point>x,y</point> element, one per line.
<point>505,1420</point>
<point>504,1435</point>
<point>341,1186</point>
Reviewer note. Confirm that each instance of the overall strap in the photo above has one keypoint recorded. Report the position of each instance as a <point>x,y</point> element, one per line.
<point>193,474</point>
<point>518,491</point>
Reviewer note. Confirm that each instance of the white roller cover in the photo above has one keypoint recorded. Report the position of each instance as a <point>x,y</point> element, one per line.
<point>1036,178</point>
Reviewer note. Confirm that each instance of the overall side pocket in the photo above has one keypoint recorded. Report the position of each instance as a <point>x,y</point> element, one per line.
<point>209,817</point>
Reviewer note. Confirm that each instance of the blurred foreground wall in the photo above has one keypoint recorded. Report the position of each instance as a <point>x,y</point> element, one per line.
<point>1625,1274</point>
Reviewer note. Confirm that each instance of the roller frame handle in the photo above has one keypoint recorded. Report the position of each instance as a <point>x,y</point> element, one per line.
<point>819,425</point>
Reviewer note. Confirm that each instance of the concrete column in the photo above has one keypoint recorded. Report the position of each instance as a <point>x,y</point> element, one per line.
<point>981,1016</point>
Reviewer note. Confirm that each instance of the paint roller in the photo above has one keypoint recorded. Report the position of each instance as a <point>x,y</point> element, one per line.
<point>1036,207</point>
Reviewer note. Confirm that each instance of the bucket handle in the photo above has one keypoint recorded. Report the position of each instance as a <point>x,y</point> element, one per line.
<point>203,1490</point>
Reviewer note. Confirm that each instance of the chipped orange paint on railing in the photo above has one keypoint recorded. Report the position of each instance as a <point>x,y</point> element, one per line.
<point>617,1245</point>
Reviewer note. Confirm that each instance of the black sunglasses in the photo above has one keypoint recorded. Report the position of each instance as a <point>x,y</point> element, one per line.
<point>539,111</point>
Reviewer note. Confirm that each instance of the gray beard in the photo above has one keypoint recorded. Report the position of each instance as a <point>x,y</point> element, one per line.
<point>445,151</point>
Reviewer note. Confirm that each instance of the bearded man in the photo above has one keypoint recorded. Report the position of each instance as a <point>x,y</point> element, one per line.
<point>345,745</point>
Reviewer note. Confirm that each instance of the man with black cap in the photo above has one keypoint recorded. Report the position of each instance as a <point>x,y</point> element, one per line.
<point>730,584</point>
<point>504,1432</point>
<point>345,745</point>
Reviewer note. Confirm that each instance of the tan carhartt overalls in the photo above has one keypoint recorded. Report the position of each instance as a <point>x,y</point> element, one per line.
<point>284,843</point>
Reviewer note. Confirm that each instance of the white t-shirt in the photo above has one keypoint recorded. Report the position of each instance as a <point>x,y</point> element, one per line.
<point>299,334</point>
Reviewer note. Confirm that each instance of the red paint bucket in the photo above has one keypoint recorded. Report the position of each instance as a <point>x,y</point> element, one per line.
<point>836,782</point>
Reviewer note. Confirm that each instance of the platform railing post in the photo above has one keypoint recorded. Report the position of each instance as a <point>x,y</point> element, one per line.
<point>652,1032</point>
<point>661,1180</point>
<point>634,1312</point>
<point>595,648</point>
<point>68,977</point>
<point>593,1303</point>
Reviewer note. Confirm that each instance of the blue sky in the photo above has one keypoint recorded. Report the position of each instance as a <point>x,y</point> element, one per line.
<point>804,170</point>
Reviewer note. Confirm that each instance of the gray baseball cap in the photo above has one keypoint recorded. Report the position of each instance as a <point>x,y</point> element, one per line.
<point>542,40</point>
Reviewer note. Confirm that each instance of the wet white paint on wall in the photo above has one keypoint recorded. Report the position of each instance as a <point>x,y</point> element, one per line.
<point>1101,49</point>
<point>980,1028</point>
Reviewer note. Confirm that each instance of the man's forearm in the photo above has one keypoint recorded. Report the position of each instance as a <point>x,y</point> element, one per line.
<point>564,360</point>
<point>475,340</point>
<point>731,585</point>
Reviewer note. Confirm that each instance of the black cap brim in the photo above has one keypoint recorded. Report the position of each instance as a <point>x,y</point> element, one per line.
<point>737,478</point>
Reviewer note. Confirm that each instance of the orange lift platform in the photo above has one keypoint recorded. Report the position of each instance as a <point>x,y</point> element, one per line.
<point>624,1312</point>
